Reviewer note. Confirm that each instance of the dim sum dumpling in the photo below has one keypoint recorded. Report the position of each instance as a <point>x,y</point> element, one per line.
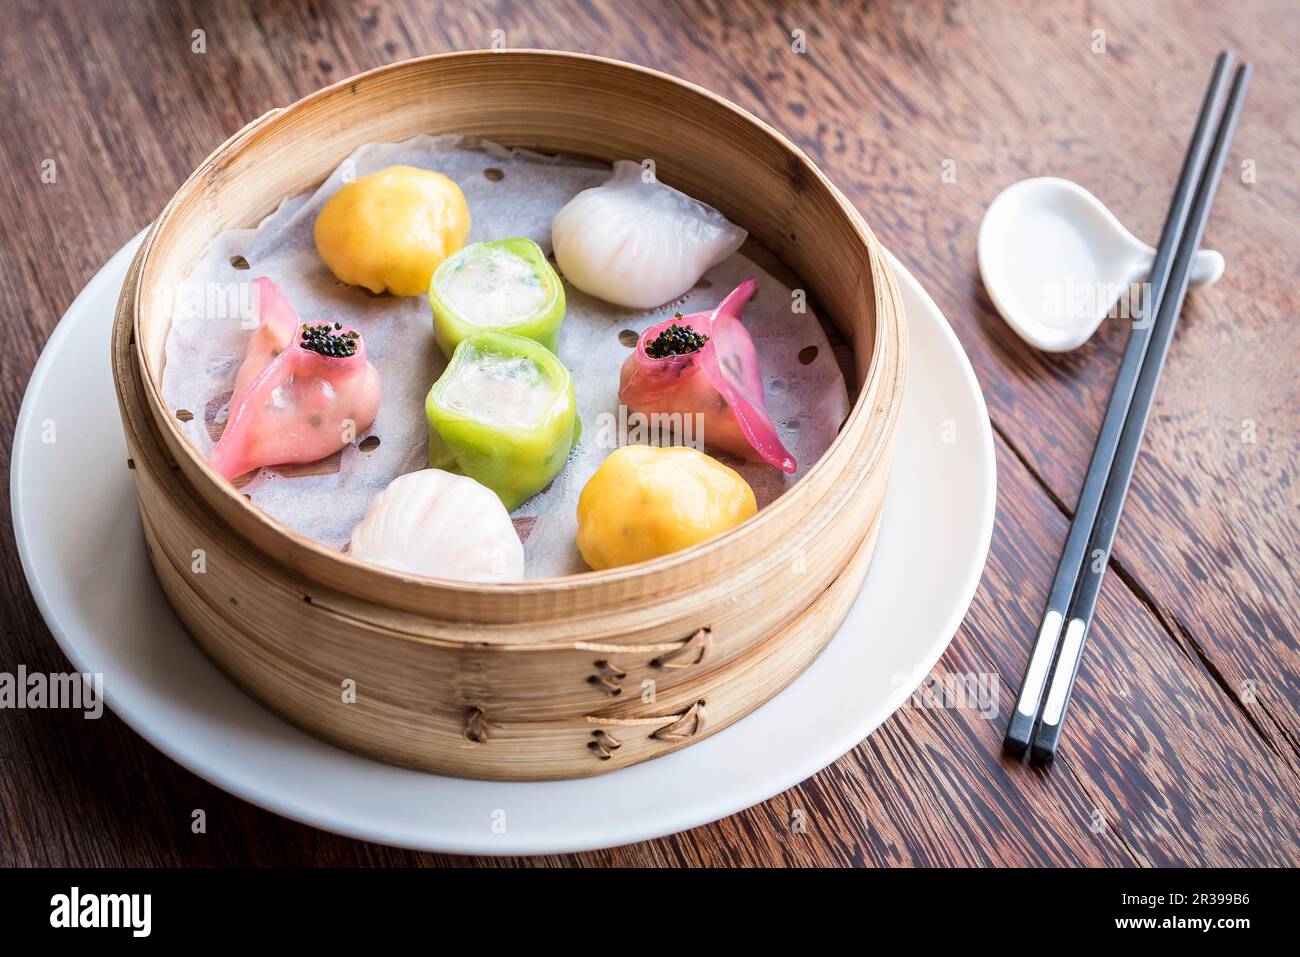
<point>635,242</point>
<point>503,412</point>
<point>295,400</point>
<point>505,285</point>
<point>441,525</point>
<point>705,364</point>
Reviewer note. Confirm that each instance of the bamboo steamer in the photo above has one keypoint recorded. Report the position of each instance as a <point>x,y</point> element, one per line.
<point>543,679</point>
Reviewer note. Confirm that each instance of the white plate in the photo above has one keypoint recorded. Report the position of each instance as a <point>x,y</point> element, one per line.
<point>78,531</point>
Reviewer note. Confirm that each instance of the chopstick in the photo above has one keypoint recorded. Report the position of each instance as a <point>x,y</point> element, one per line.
<point>1048,733</point>
<point>1075,554</point>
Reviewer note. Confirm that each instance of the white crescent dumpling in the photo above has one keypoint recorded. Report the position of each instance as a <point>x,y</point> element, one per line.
<point>635,242</point>
<point>440,525</point>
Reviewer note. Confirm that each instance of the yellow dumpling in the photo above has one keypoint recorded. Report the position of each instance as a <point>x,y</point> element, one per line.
<point>391,229</point>
<point>644,502</point>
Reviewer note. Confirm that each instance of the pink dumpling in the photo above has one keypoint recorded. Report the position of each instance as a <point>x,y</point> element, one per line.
<point>721,381</point>
<point>296,401</point>
<point>277,324</point>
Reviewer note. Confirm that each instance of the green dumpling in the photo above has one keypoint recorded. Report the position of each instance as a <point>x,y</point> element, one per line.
<point>504,414</point>
<point>503,286</point>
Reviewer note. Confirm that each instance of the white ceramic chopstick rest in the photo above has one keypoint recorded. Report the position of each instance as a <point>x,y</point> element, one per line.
<point>1056,262</point>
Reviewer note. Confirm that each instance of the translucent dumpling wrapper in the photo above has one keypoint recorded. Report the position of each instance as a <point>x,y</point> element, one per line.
<point>276,327</point>
<point>635,242</point>
<point>440,525</point>
<point>718,379</point>
<point>505,285</point>
<point>504,414</point>
<point>301,394</point>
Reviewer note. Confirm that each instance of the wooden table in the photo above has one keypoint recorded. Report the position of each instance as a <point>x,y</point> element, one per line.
<point>1182,745</point>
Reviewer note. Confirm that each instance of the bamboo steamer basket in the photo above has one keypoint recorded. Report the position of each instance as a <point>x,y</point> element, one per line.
<point>543,679</point>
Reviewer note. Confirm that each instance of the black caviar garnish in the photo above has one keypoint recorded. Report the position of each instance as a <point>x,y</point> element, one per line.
<point>325,341</point>
<point>675,341</point>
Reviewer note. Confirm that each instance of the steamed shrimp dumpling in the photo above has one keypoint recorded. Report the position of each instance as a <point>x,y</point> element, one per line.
<point>635,242</point>
<point>441,525</point>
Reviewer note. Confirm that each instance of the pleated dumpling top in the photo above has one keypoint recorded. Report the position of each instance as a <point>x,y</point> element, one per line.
<point>440,525</point>
<point>635,242</point>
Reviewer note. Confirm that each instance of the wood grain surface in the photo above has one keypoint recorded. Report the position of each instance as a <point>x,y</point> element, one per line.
<point>1182,745</point>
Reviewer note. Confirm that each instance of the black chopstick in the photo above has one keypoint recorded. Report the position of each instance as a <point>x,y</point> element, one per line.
<point>1079,619</point>
<point>1075,555</point>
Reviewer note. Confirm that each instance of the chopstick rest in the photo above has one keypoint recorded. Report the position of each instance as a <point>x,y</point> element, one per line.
<point>1056,262</point>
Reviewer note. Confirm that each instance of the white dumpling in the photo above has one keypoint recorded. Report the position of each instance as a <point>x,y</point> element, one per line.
<point>441,525</point>
<point>635,242</point>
